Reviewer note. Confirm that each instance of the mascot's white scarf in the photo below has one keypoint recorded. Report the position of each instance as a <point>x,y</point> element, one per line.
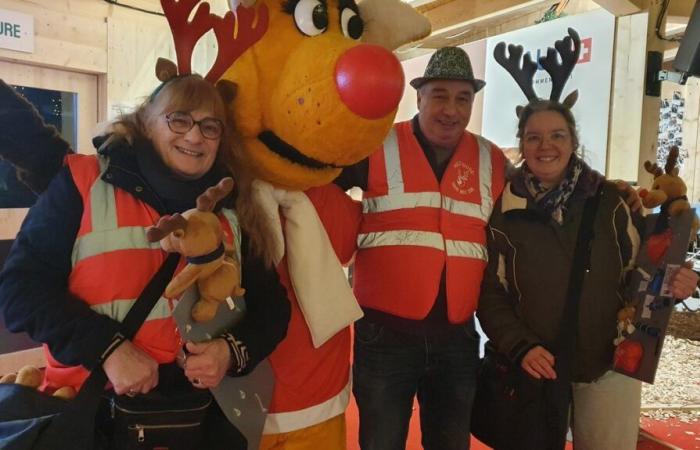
<point>321,287</point>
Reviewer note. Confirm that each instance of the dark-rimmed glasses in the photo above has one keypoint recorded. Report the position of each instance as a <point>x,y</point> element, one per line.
<point>181,122</point>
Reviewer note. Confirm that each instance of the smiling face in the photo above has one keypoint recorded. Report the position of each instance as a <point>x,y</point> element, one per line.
<point>445,107</point>
<point>312,99</point>
<point>547,145</point>
<point>189,154</point>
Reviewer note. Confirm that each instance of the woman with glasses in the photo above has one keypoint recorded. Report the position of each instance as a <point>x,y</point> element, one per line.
<point>81,257</point>
<point>531,240</point>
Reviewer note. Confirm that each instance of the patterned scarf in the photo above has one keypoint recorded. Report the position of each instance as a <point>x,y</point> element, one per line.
<point>553,201</point>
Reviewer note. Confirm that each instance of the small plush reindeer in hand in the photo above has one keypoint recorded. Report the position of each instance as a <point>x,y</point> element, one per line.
<point>197,235</point>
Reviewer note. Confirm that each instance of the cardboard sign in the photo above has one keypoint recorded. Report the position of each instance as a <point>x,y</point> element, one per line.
<point>662,253</point>
<point>245,399</point>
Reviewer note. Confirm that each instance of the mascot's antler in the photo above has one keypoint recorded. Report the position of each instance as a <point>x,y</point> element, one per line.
<point>671,160</point>
<point>523,76</point>
<point>207,201</point>
<point>234,33</point>
<point>560,72</point>
<point>653,169</point>
<point>165,226</point>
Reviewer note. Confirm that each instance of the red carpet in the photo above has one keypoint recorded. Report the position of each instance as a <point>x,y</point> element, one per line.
<point>677,434</point>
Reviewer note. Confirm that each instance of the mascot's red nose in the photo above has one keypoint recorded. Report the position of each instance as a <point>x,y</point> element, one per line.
<point>370,80</point>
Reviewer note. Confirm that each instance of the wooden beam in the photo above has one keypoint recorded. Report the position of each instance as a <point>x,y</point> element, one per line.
<point>622,7</point>
<point>680,8</point>
<point>519,16</point>
<point>447,15</point>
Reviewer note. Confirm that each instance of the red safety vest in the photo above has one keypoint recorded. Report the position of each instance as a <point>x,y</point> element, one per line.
<point>413,227</point>
<point>113,261</point>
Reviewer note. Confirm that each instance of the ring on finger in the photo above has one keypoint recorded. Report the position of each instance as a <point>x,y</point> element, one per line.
<point>131,393</point>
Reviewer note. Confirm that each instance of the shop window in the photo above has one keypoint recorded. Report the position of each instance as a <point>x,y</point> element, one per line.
<point>58,109</point>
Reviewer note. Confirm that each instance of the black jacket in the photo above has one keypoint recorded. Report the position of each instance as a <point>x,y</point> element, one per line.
<point>33,284</point>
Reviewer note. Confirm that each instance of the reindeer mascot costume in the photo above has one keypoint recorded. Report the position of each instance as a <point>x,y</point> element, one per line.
<point>317,91</point>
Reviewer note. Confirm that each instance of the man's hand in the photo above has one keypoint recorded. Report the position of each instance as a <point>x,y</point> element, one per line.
<point>631,197</point>
<point>207,363</point>
<point>539,363</point>
<point>130,370</point>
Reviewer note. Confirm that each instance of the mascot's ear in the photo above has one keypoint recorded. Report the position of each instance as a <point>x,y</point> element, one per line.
<point>571,99</point>
<point>392,23</point>
<point>228,90</point>
<point>165,69</point>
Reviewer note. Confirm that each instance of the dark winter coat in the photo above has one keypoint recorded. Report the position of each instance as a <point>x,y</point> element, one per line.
<point>525,285</point>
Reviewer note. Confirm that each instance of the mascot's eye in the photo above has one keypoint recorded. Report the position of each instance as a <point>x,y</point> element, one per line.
<point>351,23</point>
<point>311,17</point>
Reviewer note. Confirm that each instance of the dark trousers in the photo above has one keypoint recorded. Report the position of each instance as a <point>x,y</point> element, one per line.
<point>390,368</point>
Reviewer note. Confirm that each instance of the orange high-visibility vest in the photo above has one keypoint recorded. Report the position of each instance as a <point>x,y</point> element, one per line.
<point>413,227</point>
<point>112,262</point>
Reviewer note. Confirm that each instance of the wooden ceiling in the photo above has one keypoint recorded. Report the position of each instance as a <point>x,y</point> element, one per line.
<point>459,21</point>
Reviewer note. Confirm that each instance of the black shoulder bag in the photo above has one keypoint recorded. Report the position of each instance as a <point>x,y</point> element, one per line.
<point>512,410</point>
<point>30,419</point>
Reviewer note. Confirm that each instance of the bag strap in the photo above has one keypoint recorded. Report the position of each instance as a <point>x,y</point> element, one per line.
<point>94,384</point>
<point>581,265</point>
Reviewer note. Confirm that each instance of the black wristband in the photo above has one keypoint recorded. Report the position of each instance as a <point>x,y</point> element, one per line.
<point>117,340</point>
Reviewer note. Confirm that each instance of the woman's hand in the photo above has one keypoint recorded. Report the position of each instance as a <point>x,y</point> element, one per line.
<point>207,363</point>
<point>684,282</point>
<point>631,196</point>
<point>539,363</point>
<point>130,370</point>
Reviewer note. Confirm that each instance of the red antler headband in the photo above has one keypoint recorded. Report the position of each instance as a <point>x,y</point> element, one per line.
<point>235,33</point>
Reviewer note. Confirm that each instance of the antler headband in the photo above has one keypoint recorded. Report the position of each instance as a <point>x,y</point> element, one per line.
<point>568,49</point>
<point>235,33</point>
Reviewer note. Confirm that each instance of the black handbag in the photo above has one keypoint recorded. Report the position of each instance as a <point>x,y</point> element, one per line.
<point>512,410</point>
<point>171,416</point>
<point>30,419</point>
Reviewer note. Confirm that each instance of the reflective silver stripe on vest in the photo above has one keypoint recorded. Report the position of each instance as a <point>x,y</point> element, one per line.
<point>392,163</point>
<point>423,239</point>
<point>106,235</point>
<point>485,179</point>
<point>117,309</point>
<point>398,199</point>
<point>466,249</point>
<point>402,237</point>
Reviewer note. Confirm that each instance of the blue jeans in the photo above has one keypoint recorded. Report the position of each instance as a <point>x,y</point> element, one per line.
<point>390,368</point>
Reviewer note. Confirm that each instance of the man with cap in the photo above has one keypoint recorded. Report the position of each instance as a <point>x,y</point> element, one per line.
<point>427,197</point>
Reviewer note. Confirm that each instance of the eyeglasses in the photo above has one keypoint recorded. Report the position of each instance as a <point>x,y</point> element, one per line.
<point>181,122</point>
<point>535,140</point>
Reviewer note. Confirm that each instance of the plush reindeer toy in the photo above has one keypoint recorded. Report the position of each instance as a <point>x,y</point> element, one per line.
<point>211,263</point>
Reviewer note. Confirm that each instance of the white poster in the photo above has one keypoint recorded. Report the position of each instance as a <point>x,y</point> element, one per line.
<point>592,77</point>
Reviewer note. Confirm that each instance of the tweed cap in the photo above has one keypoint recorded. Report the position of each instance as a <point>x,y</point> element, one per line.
<point>449,63</point>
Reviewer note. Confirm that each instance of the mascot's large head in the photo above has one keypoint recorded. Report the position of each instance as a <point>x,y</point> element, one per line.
<point>313,94</point>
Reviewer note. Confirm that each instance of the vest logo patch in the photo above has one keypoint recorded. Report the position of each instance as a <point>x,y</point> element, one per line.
<point>464,174</point>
